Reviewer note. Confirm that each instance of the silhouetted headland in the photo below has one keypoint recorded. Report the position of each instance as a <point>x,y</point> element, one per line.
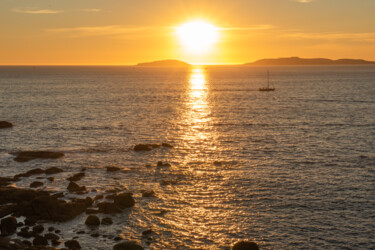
<point>309,61</point>
<point>165,63</point>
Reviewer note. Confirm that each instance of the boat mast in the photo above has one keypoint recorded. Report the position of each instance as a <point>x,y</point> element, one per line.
<point>268,79</point>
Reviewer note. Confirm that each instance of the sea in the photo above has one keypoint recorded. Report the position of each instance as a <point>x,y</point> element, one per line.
<point>292,168</point>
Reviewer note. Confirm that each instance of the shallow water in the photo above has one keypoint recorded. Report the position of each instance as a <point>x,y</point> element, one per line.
<point>290,169</point>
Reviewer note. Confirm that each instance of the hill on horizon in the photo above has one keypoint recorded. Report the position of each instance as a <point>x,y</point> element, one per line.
<point>164,63</point>
<point>309,61</point>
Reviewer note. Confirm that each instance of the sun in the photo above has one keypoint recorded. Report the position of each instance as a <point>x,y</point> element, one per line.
<point>197,36</point>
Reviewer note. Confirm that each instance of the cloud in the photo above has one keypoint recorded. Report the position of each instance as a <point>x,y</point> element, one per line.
<point>91,10</point>
<point>254,27</point>
<point>114,30</point>
<point>333,37</point>
<point>37,11</point>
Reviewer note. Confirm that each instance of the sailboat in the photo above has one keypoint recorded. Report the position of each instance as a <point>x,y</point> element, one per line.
<point>268,84</point>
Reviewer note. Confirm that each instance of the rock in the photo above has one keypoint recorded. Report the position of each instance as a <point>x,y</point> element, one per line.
<point>8,226</point>
<point>142,147</point>
<point>38,229</point>
<point>112,169</point>
<point>57,231</point>
<point>98,197</point>
<point>76,177</point>
<point>36,184</point>
<point>24,156</point>
<point>245,245</point>
<point>92,211</point>
<point>127,245</point>
<point>149,193</point>
<point>40,205</point>
<point>55,242</point>
<point>6,210</point>
<point>106,221</point>
<point>51,229</point>
<point>5,124</point>
<point>108,208</point>
<point>74,187</point>
<point>167,182</point>
<point>51,179</point>
<point>124,200</point>
<point>40,241</point>
<point>166,145</point>
<point>29,173</point>
<point>95,235</point>
<point>53,170</point>
<point>118,238</point>
<point>58,195</point>
<point>92,220</point>
<point>161,164</point>
<point>27,243</point>
<point>217,163</point>
<point>147,232</point>
<point>72,244</point>
<point>4,181</point>
<point>51,236</point>
<point>81,232</point>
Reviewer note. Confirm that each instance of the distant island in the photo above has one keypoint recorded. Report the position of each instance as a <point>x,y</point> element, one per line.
<point>308,61</point>
<point>164,63</point>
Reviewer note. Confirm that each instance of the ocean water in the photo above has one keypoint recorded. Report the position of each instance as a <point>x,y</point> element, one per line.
<point>289,169</point>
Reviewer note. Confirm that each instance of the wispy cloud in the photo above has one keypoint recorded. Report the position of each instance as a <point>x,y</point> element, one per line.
<point>37,11</point>
<point>114,30</point>
<point>253,27</point>
<point>91,10</point>
<point>354,37</point>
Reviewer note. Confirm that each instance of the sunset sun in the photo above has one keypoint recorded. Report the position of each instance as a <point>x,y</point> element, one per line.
<point>197,36</point>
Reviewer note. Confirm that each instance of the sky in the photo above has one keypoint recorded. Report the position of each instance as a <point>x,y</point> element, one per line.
<point>126,32</point>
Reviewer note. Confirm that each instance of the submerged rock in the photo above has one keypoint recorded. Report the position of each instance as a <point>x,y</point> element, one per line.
<point>142,147</point>
<point>127,245</point>
<point>40,241</point>
<point>36,184</point>
<point>5,124</point>
<point>38,229</point>
<point>24,156</point>
<point>92,220</point>
<point>106,221</point>
<point>112,169</point>
<point>147,232</point>
<point>53,170</point>
<point>8,226</point>
<point>245,245</point>
<point>149,193</point>
<point>124,200</point>
<point>166,145</point>
<point>72,244</point>
<point>76,177</point>
<point>75,188</point>
<point>108,208</point>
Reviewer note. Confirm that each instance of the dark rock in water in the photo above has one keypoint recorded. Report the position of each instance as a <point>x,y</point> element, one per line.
<point>166,145</point>
<point>127,245</point>
<point>81,232</point>
<point>26,234</point>
<point>40,205</point>
<point>112,169</point>
<point>40,241</point>
<point>51,179</point>
<point>142,147</point>
<point>38,229</point>
<point>217,163</point>
<point>30,221</point>
<point>74,187</point>
<point>161,164</point>
<point>167,182</point>
<point>24,156</point>
<point>108,208</point>
<point>5,124</point>
<point>51,236</point>
<point>150,193</point>
<point>36,184</point>
<point>106,221</point>
<point>55,242</point>
<point>245,245</point>
<point>29,173</point>
<point>98,197</point>
<point>110,197</point>
<point>57,231</point>
<point>53,170</point>
<point>27,243</point>
<point>147,232</point>
<point>58,195</point>
<point>124,200</point>
<point>72,244</point>
<point>4,181</point>
<point>7,210</point>
<point>95,235</point>
<point>8,226</point>
<point>51,229</point>
<point>76,177</point>
<point>92,220</point>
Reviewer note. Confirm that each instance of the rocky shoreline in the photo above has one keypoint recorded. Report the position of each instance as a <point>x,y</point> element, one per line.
<point>25,212</point>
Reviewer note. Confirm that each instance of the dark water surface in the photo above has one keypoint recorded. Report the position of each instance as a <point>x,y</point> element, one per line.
<point>290,169</point>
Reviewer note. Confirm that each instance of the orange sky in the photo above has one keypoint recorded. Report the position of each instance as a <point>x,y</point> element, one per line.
<point>111,32</point>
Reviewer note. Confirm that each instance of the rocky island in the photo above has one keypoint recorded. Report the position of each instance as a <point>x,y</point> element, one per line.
<point>164,63</point>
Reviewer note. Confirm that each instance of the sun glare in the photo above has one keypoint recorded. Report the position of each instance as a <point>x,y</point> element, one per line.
<point>197,36</point>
